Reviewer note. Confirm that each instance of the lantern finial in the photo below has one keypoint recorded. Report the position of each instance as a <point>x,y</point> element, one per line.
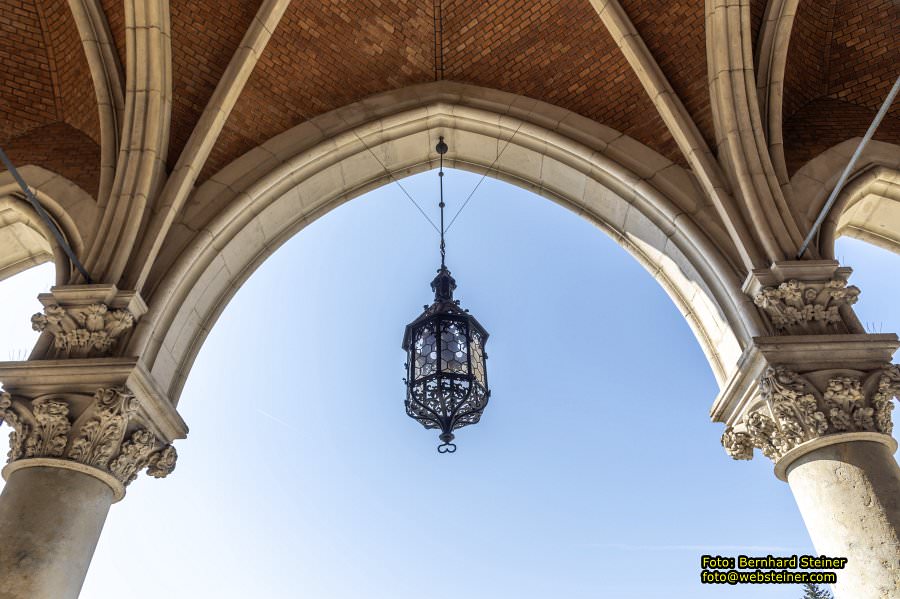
<point>443,285</point>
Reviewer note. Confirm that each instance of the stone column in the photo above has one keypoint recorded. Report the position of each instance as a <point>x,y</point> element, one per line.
<point>849,496</point>
<point>815,397</point>
<point>71,456</point>
<point>85,421</point>
<point>828,433</point>
<point>50,522</point>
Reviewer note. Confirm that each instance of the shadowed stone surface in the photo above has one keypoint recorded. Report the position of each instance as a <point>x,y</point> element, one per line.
<point>849,496</point>
<point>50,522</point>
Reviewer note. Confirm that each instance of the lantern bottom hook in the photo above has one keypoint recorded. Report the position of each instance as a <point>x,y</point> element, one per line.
<point>446,446</point>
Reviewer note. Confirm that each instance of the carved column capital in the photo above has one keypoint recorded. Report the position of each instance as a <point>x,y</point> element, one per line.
<point>815,379</point>
<point>104,417</point>
<point>805,297</point>
<point>83,321</point>
<point>84,330</point>
<point>799,307</point>
<point>813,409</point>
<point>101,435</point>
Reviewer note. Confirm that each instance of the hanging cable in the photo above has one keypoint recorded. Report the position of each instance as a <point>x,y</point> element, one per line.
<point>395,180</point>
<point>438,75</point>
<point>483,176</point>
<point>442,147</point>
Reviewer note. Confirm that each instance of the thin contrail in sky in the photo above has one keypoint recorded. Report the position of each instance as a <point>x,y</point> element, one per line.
<point>275,418</point>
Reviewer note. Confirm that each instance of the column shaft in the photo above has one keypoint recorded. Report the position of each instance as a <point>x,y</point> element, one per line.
<point>50,522</point>
<point>849,496</point>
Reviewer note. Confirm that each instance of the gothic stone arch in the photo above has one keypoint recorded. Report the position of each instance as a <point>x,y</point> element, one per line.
<point>25,240</point>
<point>245,212</point>
<point>867,208</point>
<point>731,101</point>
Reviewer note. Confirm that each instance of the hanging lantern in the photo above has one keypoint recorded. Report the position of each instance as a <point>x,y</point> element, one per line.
<point>446,379</point>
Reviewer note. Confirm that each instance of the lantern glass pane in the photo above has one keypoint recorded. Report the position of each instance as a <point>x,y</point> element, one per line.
<point>454,347</point>
<point>425,351</point>
<point>477,349</point>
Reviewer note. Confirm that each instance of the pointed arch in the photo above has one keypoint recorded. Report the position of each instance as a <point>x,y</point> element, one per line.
<point>652,207</point>
<point>867,208</point>
<point>25,240</point>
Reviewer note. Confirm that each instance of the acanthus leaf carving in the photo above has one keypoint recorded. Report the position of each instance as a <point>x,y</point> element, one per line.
<point>83,330</point>
<point>764,434</point>
<point>738,445</point>
<point>162,463</point>
<point>42,429</point>
<point>20,429</point>
<point>798,307</point>
<point>792,411</point>
<point>793,406</point>
<point>843,397</point>
<point>882,404</point>
<point>99,438</point>
<point>134,456</point>
<point>50,433</point>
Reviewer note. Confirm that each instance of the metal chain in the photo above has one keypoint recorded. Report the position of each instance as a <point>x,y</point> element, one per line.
<point>441,205</point>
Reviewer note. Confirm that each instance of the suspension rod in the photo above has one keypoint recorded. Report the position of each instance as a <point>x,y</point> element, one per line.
<point>849,168</point>
<point>60,239</point>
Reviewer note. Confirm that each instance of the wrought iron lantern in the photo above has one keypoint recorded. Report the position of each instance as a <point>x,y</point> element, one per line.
<point>446,380</point>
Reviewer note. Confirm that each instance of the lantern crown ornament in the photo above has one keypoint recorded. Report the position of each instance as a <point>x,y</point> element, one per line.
<point>446,378</point>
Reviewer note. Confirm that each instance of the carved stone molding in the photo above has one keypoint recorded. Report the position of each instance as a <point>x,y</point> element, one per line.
<point>794,409</point>
<point>82,331</point>
<point>796,307</point>
<point>105,436</point>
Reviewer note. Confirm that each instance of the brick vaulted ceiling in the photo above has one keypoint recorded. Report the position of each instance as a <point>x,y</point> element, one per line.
<point>554,51</point>
<point>48,110</point>
<point>328,53</point>
<point>842,59</point>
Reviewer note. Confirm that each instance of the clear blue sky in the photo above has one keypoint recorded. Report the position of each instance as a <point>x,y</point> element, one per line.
<point>595,471</point>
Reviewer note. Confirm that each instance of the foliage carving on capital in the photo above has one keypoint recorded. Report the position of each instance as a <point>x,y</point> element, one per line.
<point>846,405</point>
<point>800,307</point>
<point>102,433</point>
<point>20,429</point>
<point>42,429</point>
<point>134,456</point>
<point>80,331</point>
<point>50,431</point>
<point>738,445</point>
<point>888,389</point>
<point>793,411</point>
<point>162,463</point>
